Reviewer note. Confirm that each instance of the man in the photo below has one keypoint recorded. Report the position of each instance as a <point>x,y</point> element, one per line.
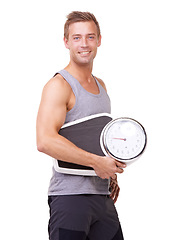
<point>80,206</point>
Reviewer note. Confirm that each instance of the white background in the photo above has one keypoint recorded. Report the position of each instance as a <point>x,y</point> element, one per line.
<point>139,60</point>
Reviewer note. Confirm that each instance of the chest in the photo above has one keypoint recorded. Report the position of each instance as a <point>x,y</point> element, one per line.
<point>91,87</point>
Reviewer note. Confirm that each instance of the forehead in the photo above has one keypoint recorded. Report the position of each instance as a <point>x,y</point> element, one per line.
<point>82,28</point>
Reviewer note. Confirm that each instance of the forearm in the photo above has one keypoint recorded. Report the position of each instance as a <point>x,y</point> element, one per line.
<point>60,148</point>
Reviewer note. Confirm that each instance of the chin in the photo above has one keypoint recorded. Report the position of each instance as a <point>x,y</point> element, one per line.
<point>84,61</point>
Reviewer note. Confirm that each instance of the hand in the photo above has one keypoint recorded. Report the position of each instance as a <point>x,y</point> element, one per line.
<point>106,167</point>
<point>114,188</point>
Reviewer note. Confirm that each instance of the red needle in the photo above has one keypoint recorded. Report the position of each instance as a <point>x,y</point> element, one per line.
<point>124,139</point>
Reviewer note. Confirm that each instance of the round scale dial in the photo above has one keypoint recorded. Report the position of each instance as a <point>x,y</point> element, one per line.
<point>123,139</point>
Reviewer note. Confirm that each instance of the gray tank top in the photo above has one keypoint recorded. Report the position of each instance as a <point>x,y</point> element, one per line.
<point>86,104</point>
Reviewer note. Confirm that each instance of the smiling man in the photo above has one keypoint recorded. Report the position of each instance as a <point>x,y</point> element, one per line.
<point>81,207</point>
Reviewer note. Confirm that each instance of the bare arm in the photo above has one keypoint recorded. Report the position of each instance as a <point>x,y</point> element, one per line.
<point>51,116</point>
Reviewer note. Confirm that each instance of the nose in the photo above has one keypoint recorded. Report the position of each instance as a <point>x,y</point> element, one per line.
<point>84,42</point>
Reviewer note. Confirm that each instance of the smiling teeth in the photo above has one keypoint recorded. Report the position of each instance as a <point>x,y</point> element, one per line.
<point>84,52</point>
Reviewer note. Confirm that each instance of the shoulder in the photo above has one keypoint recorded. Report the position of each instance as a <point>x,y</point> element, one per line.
<point>102,83</point>
<point>57,87</point>
<point>57,83</point>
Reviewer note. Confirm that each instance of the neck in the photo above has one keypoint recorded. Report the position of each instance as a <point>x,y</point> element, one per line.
<point>81,73</point>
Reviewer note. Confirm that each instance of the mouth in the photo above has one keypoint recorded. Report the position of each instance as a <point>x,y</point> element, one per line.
<point>84,52</point>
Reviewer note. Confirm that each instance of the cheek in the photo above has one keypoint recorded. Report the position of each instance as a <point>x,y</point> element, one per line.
<point>74,47</point>
<point>94,46</point>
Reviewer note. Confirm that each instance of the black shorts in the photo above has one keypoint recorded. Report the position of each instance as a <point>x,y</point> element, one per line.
<point>83,217</point>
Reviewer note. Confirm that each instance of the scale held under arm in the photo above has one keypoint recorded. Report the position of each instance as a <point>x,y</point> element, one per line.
<point>123,139</point>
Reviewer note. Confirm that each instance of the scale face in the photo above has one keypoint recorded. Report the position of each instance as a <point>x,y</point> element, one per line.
<point>123,139</point>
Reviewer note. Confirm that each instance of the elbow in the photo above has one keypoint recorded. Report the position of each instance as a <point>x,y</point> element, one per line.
<point>41,146</point>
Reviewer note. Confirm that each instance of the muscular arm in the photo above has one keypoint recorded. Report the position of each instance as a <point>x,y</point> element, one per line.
<point>55,101</point>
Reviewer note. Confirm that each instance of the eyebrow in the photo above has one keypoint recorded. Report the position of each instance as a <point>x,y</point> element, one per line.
<point>77,34</point>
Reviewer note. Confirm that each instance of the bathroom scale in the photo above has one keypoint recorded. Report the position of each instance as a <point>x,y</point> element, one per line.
<point>123,139</point>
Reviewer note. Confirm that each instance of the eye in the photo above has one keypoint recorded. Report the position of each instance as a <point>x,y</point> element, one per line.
<point>91,37</point>
<point>76,38</point>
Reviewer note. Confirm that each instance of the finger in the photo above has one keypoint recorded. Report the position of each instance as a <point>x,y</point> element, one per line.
<point>120,164</point>
<point>112,195</point>
<point>117,195</point>
<point>114,190</point>
<point>114,177</point>
<point>119,170</point>
<point>113,183</point>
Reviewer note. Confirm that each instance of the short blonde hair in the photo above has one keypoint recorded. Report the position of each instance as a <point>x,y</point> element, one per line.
<point>77,16</point>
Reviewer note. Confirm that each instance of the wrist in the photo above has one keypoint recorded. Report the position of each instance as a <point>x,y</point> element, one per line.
<point>94,160</point>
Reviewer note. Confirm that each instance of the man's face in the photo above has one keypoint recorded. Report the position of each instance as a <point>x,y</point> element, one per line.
<point>83,42</point>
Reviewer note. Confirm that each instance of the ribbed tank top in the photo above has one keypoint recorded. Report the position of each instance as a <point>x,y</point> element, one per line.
<point>86,104</point>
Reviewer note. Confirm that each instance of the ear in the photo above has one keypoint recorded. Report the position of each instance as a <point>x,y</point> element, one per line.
<point>99,41</point>
<point>66,43</point>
